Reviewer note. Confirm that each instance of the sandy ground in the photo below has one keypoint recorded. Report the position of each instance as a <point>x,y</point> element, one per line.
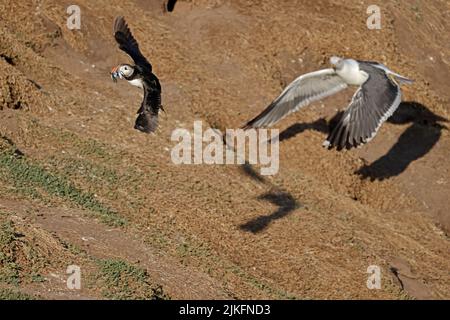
<point>201,231</point>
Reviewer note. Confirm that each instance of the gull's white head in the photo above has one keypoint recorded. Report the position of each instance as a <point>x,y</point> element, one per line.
<point>335,60</point>
<point>349,70</point>
<point>341,64</point>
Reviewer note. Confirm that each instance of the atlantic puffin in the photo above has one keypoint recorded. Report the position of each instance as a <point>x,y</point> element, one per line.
<point>377,97</point>
<point>139,75</point>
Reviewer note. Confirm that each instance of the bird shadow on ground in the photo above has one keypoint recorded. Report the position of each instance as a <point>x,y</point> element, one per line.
<point>417,140</point>
<point>286,205</point>
<point>248,170</point>
<point>284,200</point>
<point>298,128</point>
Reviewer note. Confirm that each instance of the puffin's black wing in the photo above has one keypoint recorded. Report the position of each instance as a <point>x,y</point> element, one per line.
<point>147,120</point>
<point>128,44</point>
<point>171,5</point>
<point>373,103</point>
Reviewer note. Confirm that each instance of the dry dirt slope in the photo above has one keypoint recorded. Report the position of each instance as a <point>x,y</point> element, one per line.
<point>80,186</point>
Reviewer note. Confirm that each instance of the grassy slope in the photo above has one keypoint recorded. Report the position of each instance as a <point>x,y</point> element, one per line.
<point>72,145</point>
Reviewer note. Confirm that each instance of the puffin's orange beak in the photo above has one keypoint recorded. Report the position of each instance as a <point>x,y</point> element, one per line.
<point>115,74</point>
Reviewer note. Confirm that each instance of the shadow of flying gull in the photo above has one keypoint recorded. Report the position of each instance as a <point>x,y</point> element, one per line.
<point>286,205</point>
<point>413,144</point>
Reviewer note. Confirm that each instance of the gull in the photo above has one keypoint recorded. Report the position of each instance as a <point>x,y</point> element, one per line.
<point>377,97</point>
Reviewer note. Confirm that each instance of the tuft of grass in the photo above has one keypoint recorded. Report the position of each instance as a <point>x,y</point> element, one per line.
<point>73,248</point>
<point>16,255</point>
<point>123,281</point>
<point>9,294</point>
<point>10,270</point>
<point>417,12</point>
<point>37,278</point>
<point>28,178</point>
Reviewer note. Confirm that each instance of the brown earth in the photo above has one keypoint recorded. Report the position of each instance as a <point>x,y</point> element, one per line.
<point>80,186</point>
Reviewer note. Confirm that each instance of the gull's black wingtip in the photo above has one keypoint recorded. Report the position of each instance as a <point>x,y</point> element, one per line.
<point>252,125</point>
<point>330,144</point>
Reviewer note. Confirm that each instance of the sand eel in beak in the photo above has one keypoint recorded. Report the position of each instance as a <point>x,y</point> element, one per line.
<point>376,99</point>
<point>115,74</point>
<point>139,75</point>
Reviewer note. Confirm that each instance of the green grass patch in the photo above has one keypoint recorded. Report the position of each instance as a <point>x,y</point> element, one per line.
<point>85,170</point>
<point>72,142</point>
<point>28,178</point>
<point>9,294</point>
<point>120,280</point>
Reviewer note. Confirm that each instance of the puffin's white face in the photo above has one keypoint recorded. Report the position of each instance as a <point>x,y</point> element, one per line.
<point>126,70</point>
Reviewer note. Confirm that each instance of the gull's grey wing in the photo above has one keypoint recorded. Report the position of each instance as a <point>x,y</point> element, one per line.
<point>147,120</point>
<point>129,45</point>
<point>301,92</point>
<point>372,104</point>
<point>398,78</point>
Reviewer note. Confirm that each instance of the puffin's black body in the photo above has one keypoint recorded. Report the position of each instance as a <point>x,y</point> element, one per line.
<point>171,5</point>
<point>139,75</point>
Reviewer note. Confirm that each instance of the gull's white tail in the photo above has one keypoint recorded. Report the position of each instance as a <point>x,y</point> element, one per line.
<point>401,79</point>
